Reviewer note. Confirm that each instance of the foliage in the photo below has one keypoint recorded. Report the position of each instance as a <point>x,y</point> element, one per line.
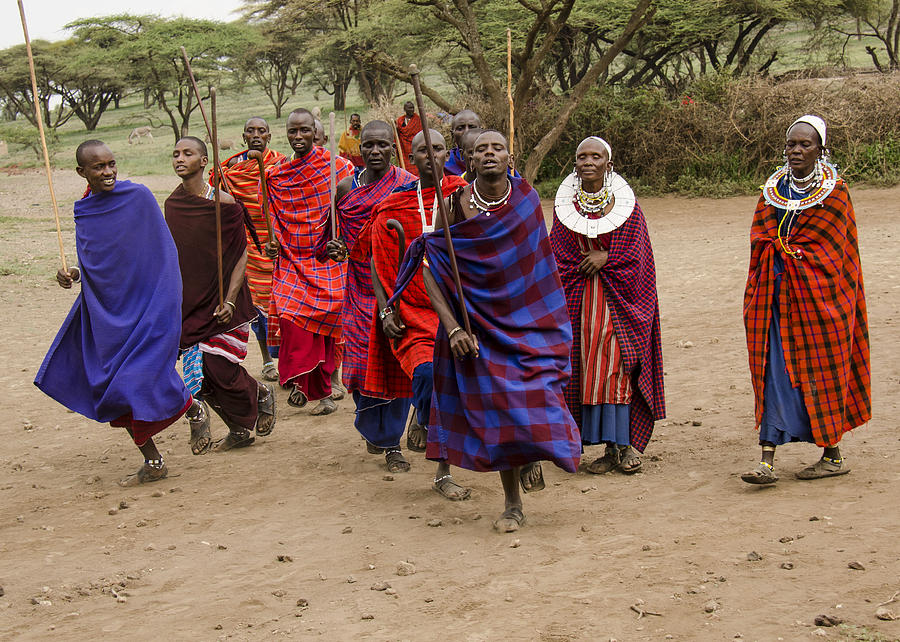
<point>26,137</point>
<point>727,136</point>
<point>147,51</point>
<point>274,61</point>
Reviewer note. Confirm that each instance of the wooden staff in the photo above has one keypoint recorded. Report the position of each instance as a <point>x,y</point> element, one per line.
<point>509,97</point>
<point>438,171</point>
<point>399,147</point>
<point>258,155</point>
<point>214,139</point>
<point>40,123</point>
<point>332,174</point>
<point>218,176</point>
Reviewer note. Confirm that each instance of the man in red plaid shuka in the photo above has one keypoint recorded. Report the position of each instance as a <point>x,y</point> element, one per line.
<point>380,420</point>
<point>401,343</point>
<point>305,306</point>
<point>805,309</point>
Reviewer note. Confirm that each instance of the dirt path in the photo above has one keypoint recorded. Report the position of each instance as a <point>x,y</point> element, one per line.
<point>195,557</point>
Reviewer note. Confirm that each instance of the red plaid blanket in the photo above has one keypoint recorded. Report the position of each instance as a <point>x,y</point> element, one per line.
<point>304,290</point>
<point>822,309</point>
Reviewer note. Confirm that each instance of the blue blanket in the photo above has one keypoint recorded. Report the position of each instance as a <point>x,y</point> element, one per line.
<point>504,408</point>
<point>115,353</point>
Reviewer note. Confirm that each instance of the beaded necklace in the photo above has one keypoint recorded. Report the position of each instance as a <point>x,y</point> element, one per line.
<point>573,219</point>
<point>481,204</point>
<point>593,202</point>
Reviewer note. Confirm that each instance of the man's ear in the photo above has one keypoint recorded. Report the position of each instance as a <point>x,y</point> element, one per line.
<point>80,171</point>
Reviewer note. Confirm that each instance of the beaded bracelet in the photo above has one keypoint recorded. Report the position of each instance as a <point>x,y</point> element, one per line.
<point>453,331</point>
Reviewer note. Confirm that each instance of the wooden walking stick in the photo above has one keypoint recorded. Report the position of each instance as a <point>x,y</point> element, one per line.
<point>258,155</point>
<point>332,174</point>
<point>217,170</point>
<point>214,139</point>
<point>509,97</point>
<point>438,171</point>
<point>40,123</point>
<point>399,147</point>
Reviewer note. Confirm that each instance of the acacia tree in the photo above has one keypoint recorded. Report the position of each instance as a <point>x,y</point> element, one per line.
<point>148,49</point>
<point>881,19</point>
<point>274,62</point>
<point>15,82</point>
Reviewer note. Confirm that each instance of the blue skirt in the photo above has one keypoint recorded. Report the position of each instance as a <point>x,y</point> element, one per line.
<point>608,423</point>
<point>381,421</point>
<point>785,418</point>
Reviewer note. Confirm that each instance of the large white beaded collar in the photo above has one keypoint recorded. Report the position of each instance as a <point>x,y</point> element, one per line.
<point>569,216</point>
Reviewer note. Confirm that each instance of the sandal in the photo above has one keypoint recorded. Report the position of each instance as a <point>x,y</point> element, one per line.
<point>325,407</point>
<point>449,489</point>
<point>201,438</point>
<point>605,464</point>
<point>629,461</point>
<point>396,462</point>
<point>269,371</point>
<point>372,449</point>
<point>525,475</point>
<point>297,398</point>
<point>762,474</point>
<point>416,436</point>
<point>234,439</point>
<point>265,417</point>
<point>145,475</point>
<point>825,467</point>
<point>514,518</point>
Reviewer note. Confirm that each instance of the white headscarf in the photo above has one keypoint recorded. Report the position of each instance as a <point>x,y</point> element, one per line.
<point>602,142</point>
<point>813,121</point>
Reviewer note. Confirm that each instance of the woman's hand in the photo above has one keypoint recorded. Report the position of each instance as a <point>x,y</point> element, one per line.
<point>592,262</point>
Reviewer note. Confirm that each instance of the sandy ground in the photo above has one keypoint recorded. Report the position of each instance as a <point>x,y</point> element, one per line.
<point>196,556</point>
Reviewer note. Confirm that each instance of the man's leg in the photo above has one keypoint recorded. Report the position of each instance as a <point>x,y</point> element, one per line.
<point>446,487</point>
<point>764,473</point>
<point>513,517</point>
<point>260,329</point>
<point>234,395</point>
<point>831,464</point>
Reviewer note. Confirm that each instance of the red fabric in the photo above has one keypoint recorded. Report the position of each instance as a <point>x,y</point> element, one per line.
<point>393,363</point>
<point>306,361</point>
<point>304,290</point>
<point>824,327</point>
<point>141,431</point>
<point>244,179</point>
<point>407,128</point>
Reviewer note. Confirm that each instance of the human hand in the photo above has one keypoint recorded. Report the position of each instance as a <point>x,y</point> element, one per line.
<point>592,262</point>
<point>272,247</point>
<point>66,279</point>
<point>393,325</point>
<point>337,250</point>
<point>462,344</point>
<point>224,312</point>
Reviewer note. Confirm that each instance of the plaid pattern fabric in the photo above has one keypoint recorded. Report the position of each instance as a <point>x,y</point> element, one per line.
<point>397,360</point>
<point>629,286</point>
<point>506,407</point>
<point>455,164</point>
<point>358,313</point>
<point>822,307</point>
<point>244,179</point>
<point>305,291</point>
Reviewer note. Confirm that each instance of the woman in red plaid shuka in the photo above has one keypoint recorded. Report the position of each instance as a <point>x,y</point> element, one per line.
<point>805,309</point>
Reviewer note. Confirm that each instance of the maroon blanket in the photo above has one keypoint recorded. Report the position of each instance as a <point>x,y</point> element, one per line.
<point>192,221</point>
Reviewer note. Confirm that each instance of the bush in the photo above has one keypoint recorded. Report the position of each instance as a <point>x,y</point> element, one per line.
<point>724,136</point>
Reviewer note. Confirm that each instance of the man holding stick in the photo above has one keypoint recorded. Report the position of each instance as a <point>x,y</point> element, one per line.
<point>305,308</point>
<point>113,360</point>
<point>401,344</point>
<point>498,392</point>
<point>214,336</point>
<point>243,176</point>
<point>380,420</point>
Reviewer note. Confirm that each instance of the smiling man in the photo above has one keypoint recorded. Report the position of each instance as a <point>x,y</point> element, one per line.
<point>242,172</point>
<point>305,308</point>
<point>381,421</point>
<point>213,336</point>
<point>113,360</point>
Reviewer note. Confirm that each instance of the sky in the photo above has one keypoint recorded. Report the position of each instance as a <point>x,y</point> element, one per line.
<point>46,18</point>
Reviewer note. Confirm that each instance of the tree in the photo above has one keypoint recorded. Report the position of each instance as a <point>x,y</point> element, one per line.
<point>274,62</point>
<point>882,23</point>
<point>15,82</point>
<point>86,82</point>
<point>147,50</point>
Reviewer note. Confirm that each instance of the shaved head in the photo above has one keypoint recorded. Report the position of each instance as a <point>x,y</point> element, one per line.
<point>83,148</point>
<point>377,126</point>
<point>436,137</point>
<point>260,121</point>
